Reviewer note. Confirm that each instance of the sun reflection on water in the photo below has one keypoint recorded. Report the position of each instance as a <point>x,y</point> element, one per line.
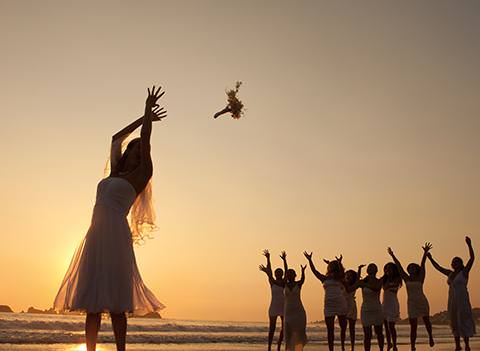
<point>83,347</point>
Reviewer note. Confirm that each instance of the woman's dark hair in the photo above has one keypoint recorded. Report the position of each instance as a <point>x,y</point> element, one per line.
<point>459,259</point>
<point>121,163</point>
<point>370,267</point>
<point>335,270</point>
<point>353,274</point>
<point>290,272</point>
<point>395,277</point>
<point>415,267</point>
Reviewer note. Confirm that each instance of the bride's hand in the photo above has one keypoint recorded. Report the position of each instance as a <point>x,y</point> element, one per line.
<point>158,113</point>
<point>153,97</point>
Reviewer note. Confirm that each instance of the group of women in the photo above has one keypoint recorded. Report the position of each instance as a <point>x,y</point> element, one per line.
<point>340,286</point>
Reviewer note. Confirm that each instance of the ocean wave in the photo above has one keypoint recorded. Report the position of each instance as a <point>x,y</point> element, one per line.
<point>19,324</point>
<point>27,337</point>
<point>18,329</point>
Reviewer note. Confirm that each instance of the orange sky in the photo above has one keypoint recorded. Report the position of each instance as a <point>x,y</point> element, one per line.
<point>361,132</point>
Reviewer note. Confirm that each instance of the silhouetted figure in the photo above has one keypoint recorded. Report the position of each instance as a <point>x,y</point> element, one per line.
<point>295,316</point>
<point>277,303</point>
<point>391,282</point>
<point>371,312</point>
<point>459,307</point>
<point>335,302</point>
<point>351,279</point>
<point>103,275</point>
<point>417,302</point>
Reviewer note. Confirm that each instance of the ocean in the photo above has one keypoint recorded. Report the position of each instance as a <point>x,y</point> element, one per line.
<point>34,332</point>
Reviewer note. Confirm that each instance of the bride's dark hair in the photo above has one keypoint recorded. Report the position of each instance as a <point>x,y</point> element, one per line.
<point>121,162</point>
<point>142,213</point>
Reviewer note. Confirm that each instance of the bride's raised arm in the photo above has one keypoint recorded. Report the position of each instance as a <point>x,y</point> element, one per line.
<point>146,165</point>
<point>158,114</point>
<point>118,138</point>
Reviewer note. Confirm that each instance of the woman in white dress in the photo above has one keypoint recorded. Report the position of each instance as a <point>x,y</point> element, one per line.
<point>371,312</point>
<point>335,302</point>
<point>350,282</point>
<point>277,303</point>
<point>417,302</point>
<point>391,282</point>
<point>459,307</point>
<point>103,275</point>
<point>295,316</point>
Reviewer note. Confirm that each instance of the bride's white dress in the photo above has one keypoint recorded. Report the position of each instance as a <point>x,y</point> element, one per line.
<point>103,275</point>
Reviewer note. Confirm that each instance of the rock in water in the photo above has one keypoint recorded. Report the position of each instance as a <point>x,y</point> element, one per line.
<point>5,309</point>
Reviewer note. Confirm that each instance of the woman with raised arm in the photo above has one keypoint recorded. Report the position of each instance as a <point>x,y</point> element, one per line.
<point>335,302</point>
<point>350,282</point>
<point>103,275</point>
<point>371,312</point>
<point>417,302</point>
<point>459,307</point>
<point>391,281</point>
<point>295,316</point>
<point>277,303</point>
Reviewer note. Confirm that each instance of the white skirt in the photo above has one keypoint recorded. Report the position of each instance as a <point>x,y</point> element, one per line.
<point>391,306</point>
<point>103,275</point>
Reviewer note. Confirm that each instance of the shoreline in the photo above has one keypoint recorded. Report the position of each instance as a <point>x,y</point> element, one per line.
<point>441,346</point>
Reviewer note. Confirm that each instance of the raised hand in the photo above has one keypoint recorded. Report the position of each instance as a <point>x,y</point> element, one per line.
<point>153,97</point>
<point>326,261</point>
<point>427,247</point>
<point>283,255</point>
<point>263,268</point>
<point>266,253</point>
<point>468,240</point>
<point>339,259</point>
<point>308,255</point>
<point>158,113</point>
<point>390,251</point>
<point>303,267</point>
<point>361,266</point>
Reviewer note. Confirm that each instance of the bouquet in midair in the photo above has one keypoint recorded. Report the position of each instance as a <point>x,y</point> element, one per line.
<point>234,105</point>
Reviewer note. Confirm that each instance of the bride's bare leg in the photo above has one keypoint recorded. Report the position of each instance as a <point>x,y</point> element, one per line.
<point>92,326</point>
<point>119,323</point>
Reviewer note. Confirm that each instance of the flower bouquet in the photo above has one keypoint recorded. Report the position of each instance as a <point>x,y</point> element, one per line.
<point>234,105</point>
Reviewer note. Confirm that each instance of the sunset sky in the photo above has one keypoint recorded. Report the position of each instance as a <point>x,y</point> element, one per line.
<point>361,132</point>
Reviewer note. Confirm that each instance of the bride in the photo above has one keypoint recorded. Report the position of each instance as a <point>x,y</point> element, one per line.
<point>103,275</point>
